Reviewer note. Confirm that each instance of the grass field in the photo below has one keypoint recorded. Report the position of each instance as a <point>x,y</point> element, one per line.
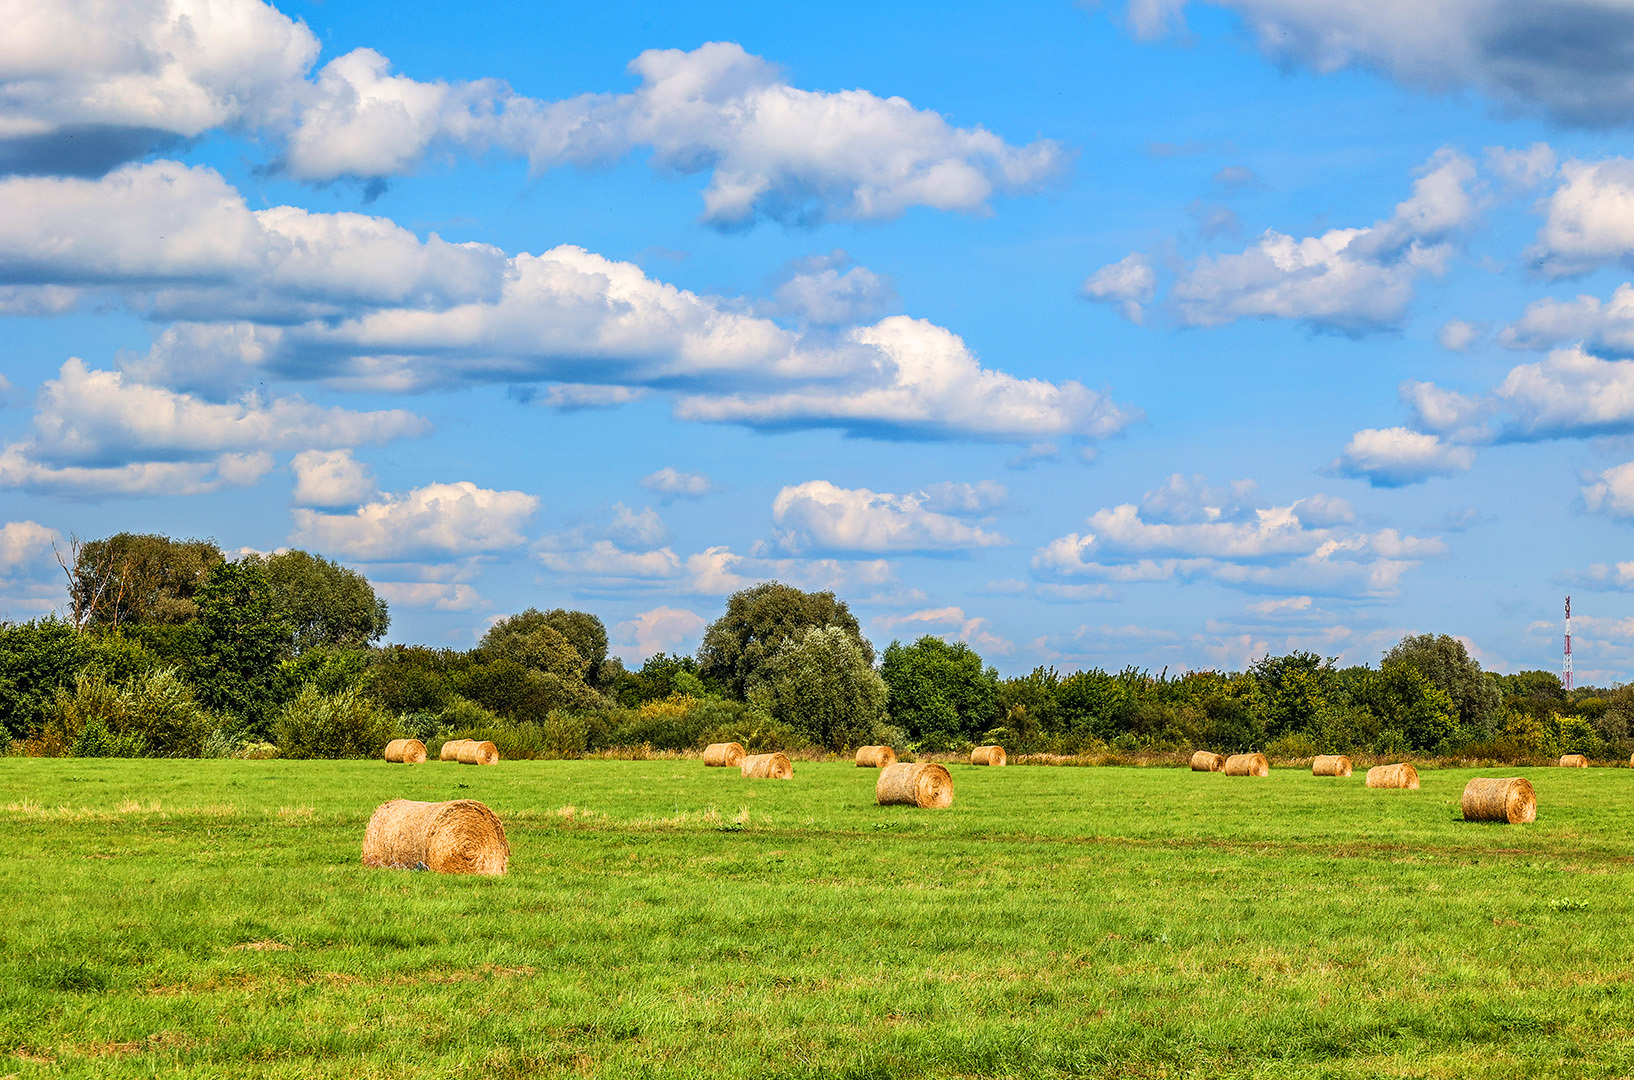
<point>211,919</point>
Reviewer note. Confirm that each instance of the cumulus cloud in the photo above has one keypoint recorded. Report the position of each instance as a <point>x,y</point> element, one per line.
<point>1602,325</point>
<point>953,497</point>
<point>1618,576</point>
<point>1456,335</point>
<point>670,483</point>
<point>1394,457</point>
<point>947,623</point>
<point>1612,492</point>
<point>330,478</point>
<point>435,595</point>
<point>143,478</point>
<point>1258,548</point>
<point>662,629</point>
<point>828,290</point>
<point>438,520</point>
<point>637,528</point>
<point>1589,219</point>
<point>822,515</point>
<point>1572,60</point>
<point>23,543</point>
<point>1128,284</point>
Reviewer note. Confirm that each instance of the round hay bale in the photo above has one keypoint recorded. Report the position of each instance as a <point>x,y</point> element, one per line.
<point>924,784</point>
<point>451,750</point>
<point>1574,761</point>
<point>1510,800</point>
<point>1207,761</point>
<point>1331,765</point>
<point>406,751</point>
<point>988,755</point>
<point>1247,765</point>
<point>723,755</point>
<point>768,767</point>
<point>875,757</point>
<point>479,753</point>
<point>1393,776</point>
<point>458,837</point>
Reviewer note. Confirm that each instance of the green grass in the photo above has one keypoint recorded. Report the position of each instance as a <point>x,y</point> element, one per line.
<point>685,922</point>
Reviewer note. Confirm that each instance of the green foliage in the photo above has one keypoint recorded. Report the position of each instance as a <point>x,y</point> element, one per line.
<point>661,676</point>
<point>139,578</point>
<point>153,715</point>
<point>939,691</point>
<point>36,659</point>
<point>758,622</point>
<point>1405,700</point>
<point>823,686</point>
<point>325,604</point>
<point>340,725</point>
<point>1447,664</point>
<point>566,734</point>
<point>413,678</point>
<point>585,632</point>
<point>530,640</point>
<point>245,639</point>
<point>520,693</point>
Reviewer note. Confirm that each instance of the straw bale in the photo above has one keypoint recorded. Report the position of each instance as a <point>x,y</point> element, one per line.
<point>406,751</point>
<point>1510,800</point>
<point>875,757</point>
<point>458,837</point>
<point>479,753</point>
<point>1207,761</point>
<point>768,767</point>
<point>723,755</point>
<point>1574,761</point>
<point>924,784</point>
<point>1330,765</point>
<point>1247,765</point>
<point>988,755</point>
<point>1393,776</point>
<point>451,750</point>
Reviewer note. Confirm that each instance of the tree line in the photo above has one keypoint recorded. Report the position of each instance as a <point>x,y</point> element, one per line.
<point>167,647</point>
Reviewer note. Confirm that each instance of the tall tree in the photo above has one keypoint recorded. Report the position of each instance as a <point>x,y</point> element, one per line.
<point>1443,660</point>
<point>760,620</point>
<point>139,578</point>
<point>824,686</point>
<point>246,638</point>
<point>940,690</point>
<point>325,603</point>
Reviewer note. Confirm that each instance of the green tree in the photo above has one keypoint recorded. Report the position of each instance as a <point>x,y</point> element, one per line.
<point>325,603</point>
<point>1404,699</point>
<point>246,639</point>
<point>940,692</point>
<point>758,622</point>
<point>138,578</point>
<point>529,639</point>
<point>823,686</point>
<point>1097,704</point>
<point>1443,660</point>
<point>586,633</point>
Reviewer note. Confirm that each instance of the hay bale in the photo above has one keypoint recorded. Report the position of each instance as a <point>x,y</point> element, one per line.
<point>451,750</point>
<point>1331,765</point>
<point>1207,761</point>
<point>406,751</point>
<point>479,753</point>
<point>1393,776</point>
<point>1574,761</point>
<point>1510,800</point>
<point>924,784</point>
<point>1247,765</point>
<point>458,837</point>
<point>988,755</point>
<point>875,757</point>
<point>768,767</point>
<point>723,755</point>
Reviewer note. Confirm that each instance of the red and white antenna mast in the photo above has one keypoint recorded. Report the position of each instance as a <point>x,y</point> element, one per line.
<point>1566,663</point>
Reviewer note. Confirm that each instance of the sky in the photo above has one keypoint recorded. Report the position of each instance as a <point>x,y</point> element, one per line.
<point>1162,334</point>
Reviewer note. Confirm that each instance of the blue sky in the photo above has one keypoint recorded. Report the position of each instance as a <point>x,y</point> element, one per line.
<point>1169,334</point>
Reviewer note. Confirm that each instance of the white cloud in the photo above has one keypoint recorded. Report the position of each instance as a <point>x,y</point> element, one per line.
<point>829,291</point>
<point>671,483</point>
<point>1129,284</point>
<point>1394,457</point>
<point>820,514</point>
<point>1619,576</point>
<point>1547,323</point>
<point>637,528</point>
<point>19,470</point>
<point>1612,492</point>
<point>1521,170</point>
<point>975,632</point>
<point>100,418</point>
<point>1352,280</point>
<point>436,520</point>
<point>953,497</point>
<point>662,629</point>
<point>1263,549</point>
<point>575,397</point>
<point>437,596</point>
<point>1456,335</point>
<point>330,478</point>
<point>1590,218</point>
<point>1570,394</point>
<point>1569,59</point>
<point>181,242</point>
<point>23,543</point>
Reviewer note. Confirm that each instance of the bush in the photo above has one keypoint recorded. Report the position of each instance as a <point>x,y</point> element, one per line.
<point>154,715</point>
<point>342,725</point>
<point>565,735</point>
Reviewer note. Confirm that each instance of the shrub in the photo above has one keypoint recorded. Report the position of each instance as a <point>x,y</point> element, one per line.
<point>342,725</point>
<point>154,715</point>
<point>565,735</point>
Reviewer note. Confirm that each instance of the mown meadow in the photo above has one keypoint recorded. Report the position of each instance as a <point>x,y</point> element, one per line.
<point>212,918</point>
